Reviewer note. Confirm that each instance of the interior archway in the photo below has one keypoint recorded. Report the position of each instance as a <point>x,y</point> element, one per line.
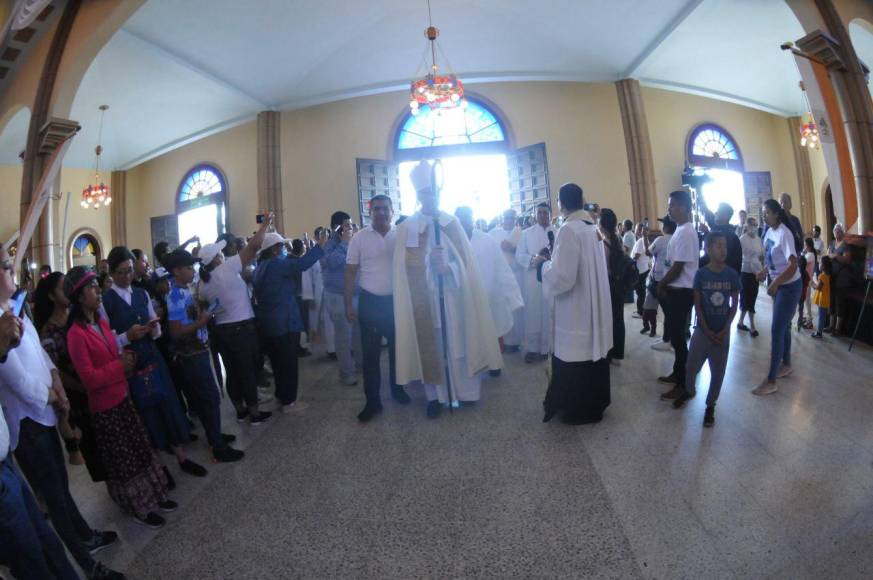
<point>84,249</point>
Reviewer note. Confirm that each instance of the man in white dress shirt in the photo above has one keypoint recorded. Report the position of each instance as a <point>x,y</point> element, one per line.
<point>369,261</point>
<point>577,279</point>
<point>508,234</point>
<point>537,311</point>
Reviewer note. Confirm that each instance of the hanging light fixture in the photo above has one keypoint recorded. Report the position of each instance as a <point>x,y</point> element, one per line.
<point>809,136</point>
<point>97,193</point>
<point>435,90</point>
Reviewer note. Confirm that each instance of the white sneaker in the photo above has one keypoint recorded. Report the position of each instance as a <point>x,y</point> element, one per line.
<point>662,346</point>
<point>264,396</point>
<point>294,407</point>
<point>636,315</point>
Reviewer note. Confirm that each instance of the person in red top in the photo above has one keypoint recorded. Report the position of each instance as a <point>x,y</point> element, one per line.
<point>135,479</point>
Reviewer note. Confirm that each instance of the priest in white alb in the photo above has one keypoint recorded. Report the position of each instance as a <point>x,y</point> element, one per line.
<point>537,310</point>
<point>504,294</point>
<point>577,280</point>
<point>419,263</point>
<point>507,234</point>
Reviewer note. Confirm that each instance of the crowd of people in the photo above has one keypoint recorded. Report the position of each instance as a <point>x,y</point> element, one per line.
<point>113,365</point>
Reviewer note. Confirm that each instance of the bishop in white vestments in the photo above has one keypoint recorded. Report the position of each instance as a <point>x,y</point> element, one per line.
<point>537,310</point>
<point>507,235</point>
<point>577,279</point>
<point>472,345</point>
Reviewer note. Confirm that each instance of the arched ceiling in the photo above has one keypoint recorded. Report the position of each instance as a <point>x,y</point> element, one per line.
<point>13,137</point>
<point>861,33</point>
<point>180,69</point>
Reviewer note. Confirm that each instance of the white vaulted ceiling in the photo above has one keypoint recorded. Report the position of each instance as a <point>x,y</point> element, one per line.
<point>180,69</point>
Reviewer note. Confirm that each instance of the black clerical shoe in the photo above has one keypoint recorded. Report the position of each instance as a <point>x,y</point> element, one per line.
<point>399,394</point>
<point>227,455</point>
<point>434,409</point>
<point>550,412</point>
<point>369,412</point>
<point>192,468</point>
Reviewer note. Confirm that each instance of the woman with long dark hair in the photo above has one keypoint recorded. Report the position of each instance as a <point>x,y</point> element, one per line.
<point>785,288</point>
<point>614,251</point>
<point>135,479</point>
<point>50,313</point>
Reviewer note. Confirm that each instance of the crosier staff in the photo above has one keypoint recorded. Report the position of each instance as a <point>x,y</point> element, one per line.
<point>443,328</point>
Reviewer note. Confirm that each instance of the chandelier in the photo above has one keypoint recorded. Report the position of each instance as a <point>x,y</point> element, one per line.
<point>809,136</point>
<point>435,90</point>
<point>97,193</point>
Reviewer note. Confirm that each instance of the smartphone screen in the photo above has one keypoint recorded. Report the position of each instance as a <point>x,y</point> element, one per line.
<point>259,218</point>
<point>18,302</point>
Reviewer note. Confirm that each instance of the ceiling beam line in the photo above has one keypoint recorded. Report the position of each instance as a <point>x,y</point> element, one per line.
<point>641,58</point>
<point>717,95</point>
<point>180,60</point>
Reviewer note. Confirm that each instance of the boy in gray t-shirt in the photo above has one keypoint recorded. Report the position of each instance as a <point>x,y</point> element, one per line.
<point>716,290</point>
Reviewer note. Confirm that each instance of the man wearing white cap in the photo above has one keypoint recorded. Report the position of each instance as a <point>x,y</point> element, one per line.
<point>235,335</point>
<point>419,263</point>
<point>280,321</point>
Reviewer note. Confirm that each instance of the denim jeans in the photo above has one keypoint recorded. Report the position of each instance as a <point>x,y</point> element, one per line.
<point>203,394</point>
<point>42,462</point>
<point>376,318</point>
<point>784,306</point>
<point>28,546</point>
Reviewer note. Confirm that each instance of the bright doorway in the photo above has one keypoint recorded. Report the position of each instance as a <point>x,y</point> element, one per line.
<point>478,181</point>
<point>202,221</point>
<point>726,186</point>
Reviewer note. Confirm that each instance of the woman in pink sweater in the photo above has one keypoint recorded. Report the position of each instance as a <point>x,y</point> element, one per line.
<point>135,479</point>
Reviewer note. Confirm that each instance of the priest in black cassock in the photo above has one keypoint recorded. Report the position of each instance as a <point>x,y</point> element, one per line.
<point>577,279</point>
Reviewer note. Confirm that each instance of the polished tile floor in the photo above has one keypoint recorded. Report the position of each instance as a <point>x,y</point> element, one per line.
<point>782,487</point>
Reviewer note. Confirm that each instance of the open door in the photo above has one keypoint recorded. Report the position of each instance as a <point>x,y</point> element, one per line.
<point>528,170</point>
<point>375,177</point>
<point>758,187</point>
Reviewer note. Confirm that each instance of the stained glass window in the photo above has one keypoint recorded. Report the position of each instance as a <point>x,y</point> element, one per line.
<point>459,126</point>
<point>83,246</point>
<point>712,146</point>
<point>201,182</point>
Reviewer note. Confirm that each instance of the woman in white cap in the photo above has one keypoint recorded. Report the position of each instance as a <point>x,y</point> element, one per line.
<point>235,336</point>
<point>279,319</point>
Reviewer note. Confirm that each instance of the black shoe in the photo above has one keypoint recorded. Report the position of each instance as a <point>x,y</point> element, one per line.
<point>368,413</point>
<point>331,355</point>
<point>668,380</point>
<point>494,373</point>
<point>227,455</point>
<point>228,438</point>
<point>754,334</point>
<point>101,541</point>
<point>742,326</point>
<point>680,401</point>
<point>530,357</point>
<point>434,409</point>
<point>653,334</point>
<point>399,394</point>
<point>260,418</point>
<point>709,417</point>
<point>192,468</point>
<point>168,506</point>
<point>549,412</point>
<point>241,416</point>
<point>816,335</point>
<point>303,352</point>
<point>152,520</point>
<point>101,572</point>
<point>645,330</point>
<point>673,394</point>
<point>171,483</point>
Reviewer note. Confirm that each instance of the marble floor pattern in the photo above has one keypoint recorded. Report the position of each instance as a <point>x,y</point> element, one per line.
<point>782,487</point>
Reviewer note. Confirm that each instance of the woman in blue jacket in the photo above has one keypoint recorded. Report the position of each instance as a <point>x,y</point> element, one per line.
<point>276,312</point>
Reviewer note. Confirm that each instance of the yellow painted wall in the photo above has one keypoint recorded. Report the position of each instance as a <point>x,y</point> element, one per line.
<point>580,124</point>
<point>762,138</point>
<point>73,180</point>
<point>152,186</point>
<point>10,198</point>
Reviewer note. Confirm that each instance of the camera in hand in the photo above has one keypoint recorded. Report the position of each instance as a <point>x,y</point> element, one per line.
<point>260,218</point>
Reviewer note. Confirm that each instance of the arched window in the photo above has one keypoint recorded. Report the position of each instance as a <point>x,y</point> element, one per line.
<point>711,146</point>
<point>431,134</point>
<point>84,250</point>
<point>201,204</point>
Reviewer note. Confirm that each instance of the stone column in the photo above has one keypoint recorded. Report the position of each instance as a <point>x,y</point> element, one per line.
<point>803,166</point>
<point>639,150</point>
<point>118,208</point>
<point>270,167</point>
